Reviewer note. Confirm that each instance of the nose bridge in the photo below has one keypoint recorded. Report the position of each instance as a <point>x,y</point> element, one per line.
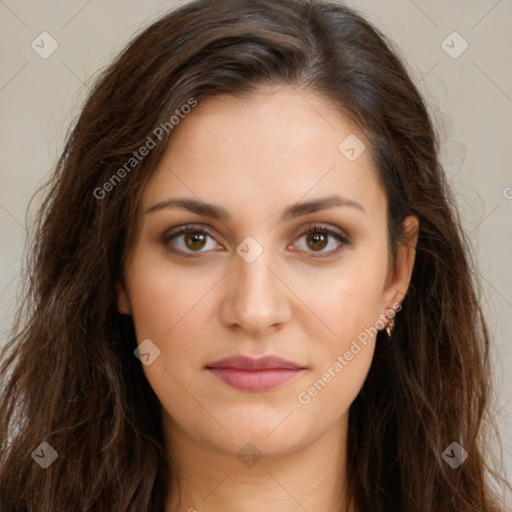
<point>254,274</point>
<point>254,281</point>
<point>256,299</point>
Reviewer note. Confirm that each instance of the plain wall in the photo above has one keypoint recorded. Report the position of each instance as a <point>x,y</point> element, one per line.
<point>470,97</point>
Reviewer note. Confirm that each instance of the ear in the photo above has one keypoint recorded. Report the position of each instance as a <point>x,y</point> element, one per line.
<point>123,302</point>
<point>399,273</point>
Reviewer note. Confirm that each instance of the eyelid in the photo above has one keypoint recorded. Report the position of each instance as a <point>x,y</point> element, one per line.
<point>340,236</point>
<point>187,228</point>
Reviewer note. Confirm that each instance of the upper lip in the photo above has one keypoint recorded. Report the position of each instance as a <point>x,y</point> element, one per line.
<point>260,363</point>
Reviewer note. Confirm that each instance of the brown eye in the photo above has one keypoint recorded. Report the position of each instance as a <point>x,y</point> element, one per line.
<point>317,238</point>
<point>195,241</point>
<point>188,240</point>
<point>317,241</point>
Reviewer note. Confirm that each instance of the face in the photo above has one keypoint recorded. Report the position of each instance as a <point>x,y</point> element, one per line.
<point>245,277</point>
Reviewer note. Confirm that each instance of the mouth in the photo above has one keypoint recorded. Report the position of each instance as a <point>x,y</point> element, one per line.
<point>249,374</point>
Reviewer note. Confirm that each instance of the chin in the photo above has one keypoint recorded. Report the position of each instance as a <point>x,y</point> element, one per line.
<point>272,437</point>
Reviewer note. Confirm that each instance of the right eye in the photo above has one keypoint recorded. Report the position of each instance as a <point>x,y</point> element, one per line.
<point>187,240</point>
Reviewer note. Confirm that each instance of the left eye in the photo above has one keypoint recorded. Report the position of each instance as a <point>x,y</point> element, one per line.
<point>317,237</point>
<point>192,239</point>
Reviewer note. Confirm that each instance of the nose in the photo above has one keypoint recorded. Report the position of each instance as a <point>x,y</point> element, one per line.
<point>256,300</point>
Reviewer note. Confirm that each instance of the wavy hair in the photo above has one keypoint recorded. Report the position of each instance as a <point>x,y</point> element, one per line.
<point>69,376</point>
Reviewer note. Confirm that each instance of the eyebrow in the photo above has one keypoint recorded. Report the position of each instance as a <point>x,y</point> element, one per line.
<point>292,211</point>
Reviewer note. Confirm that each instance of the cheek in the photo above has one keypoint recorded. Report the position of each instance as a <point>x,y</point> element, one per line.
<point>350,307</point>
<point>164,298</point>
<point>170,308</point>
<point>333,387</point>
<point>347,301</point>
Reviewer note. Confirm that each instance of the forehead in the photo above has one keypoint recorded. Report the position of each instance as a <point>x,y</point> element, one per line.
<point>272,148</point>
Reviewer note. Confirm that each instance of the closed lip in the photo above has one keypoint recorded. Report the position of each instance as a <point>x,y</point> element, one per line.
<point>268,362</point>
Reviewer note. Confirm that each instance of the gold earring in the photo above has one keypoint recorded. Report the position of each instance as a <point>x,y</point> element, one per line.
<point>389,327</point>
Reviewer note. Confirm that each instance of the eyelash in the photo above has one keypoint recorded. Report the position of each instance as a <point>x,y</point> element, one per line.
<point>199,230</point>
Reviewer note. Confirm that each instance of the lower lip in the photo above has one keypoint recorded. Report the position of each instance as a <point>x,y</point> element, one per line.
<point>254,380</point>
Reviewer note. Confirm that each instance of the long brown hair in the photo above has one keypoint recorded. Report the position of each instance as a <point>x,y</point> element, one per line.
<point>69,375</point>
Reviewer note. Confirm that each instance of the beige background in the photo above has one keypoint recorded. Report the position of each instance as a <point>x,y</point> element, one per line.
<point>470,96</point>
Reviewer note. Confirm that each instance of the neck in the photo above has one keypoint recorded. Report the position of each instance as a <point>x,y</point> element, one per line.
<point>206,478</point>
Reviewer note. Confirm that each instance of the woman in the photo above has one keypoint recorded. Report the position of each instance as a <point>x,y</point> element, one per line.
<point>249,288</point>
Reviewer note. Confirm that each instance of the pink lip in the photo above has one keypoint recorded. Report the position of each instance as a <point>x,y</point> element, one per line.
<point>248,374</point>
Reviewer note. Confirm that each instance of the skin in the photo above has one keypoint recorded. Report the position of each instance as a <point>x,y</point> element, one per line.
<point>255,157</point>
